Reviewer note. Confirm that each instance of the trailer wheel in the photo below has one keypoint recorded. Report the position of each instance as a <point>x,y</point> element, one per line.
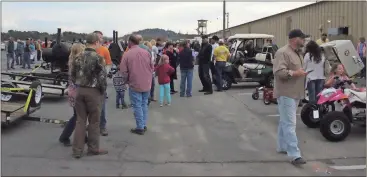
<point>60,79</point>
<point>4,96</point>
<point>37,94</point>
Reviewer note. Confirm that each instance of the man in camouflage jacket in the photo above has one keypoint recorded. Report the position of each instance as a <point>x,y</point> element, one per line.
<point>88,73</point>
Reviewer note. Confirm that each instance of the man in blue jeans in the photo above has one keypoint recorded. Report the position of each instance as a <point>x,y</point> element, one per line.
<point>137,67</point>
<point>186,61</point>
<point>221,55</point>
<point>289,88</point>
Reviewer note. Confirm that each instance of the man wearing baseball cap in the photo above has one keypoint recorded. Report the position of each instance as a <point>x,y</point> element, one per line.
<point>221,56</point>
<point>289,88</point>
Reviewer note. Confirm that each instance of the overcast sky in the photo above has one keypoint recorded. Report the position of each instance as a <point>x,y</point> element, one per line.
<point>127,17</point>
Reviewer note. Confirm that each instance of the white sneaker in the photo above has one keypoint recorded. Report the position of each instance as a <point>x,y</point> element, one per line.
<point>161,105</point>
<point>169,104</point>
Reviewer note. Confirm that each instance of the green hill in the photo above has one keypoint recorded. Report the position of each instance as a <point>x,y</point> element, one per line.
<point>154,33</point>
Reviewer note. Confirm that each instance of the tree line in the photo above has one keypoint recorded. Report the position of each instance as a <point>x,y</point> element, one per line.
<point>22,35</point>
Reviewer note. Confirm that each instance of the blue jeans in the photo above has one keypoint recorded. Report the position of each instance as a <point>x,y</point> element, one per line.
<point>69,128</point>
<point>103,120</point>
<point>165,90</point>
<point>314,87</point>
<point>139,103</point>
<point>287,138</point>
<point>19,58</point>
<point>120,98</point>
<point>219,66</point>
<point>10,60</point>
<point>186,78</point>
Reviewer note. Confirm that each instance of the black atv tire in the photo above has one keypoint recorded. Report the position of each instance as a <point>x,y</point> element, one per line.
<point>226,83</point>
<point>327,122</point>
<point>37,93</point>
<point>307,116</point>
<point>255,95</point>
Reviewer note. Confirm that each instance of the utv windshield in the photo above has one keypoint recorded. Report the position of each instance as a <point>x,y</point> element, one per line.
<point>330,53</point>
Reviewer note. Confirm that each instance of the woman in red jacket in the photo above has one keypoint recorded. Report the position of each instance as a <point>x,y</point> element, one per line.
<point>164,72</point>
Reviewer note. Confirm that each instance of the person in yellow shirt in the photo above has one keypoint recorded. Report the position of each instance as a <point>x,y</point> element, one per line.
<point>221,55</point>
<point>323,39</point>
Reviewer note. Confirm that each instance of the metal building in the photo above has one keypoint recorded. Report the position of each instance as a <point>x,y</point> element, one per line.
<point>314,19</point>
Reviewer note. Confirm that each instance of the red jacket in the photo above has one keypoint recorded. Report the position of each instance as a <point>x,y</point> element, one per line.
<point>164,72</point>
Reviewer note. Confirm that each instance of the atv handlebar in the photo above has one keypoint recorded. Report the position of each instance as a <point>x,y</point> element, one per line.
<point>341,83</point>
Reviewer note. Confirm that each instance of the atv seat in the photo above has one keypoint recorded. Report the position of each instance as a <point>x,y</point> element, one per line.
<point>253,66</point>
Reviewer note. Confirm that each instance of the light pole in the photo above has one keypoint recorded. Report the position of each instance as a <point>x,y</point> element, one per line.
<point>224,19</point>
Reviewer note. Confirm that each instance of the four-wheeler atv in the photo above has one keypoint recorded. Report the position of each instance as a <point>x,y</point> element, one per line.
<point>350,107</point>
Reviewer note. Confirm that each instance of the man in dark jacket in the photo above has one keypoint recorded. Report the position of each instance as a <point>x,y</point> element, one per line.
<point>19,51</point>
<point>186,61</point>
<point>204,56</point>
<point>11,54</point>
<point>172,54</point>
<point>27,55</point>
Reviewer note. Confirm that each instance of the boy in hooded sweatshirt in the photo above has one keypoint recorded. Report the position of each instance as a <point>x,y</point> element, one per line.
<point>119,82</point>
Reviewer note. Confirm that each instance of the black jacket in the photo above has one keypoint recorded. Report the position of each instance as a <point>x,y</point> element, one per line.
<point>186,59</point>
<point>173,57</point>
<point>205,54</point>
<point>11,47</point>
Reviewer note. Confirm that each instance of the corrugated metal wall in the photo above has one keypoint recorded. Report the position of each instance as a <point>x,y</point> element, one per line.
<point>352,14</point>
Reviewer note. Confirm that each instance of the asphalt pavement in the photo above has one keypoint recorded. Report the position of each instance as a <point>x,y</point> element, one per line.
<point>223,134</point>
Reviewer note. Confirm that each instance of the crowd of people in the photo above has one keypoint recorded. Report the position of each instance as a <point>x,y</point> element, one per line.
<point>22,54</point>
<point>144,62</point>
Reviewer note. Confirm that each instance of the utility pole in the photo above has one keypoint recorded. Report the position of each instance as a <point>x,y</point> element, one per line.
<point>224,19</point>
<point>227,20</point>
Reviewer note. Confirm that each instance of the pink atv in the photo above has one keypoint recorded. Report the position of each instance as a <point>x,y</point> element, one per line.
<point>348,106</point>
<point>311,113</point>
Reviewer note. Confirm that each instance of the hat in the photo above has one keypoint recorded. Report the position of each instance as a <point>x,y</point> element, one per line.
<point>204,37</point>
<point>296,33</point>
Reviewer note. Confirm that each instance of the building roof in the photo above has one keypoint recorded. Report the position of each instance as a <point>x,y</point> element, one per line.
<point>298,8</point>
<point>250,36</point>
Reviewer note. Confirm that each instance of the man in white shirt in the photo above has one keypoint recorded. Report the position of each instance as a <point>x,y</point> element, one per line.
<point>214,42</point>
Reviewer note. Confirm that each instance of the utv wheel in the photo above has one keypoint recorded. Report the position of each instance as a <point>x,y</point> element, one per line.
<point>255,96</point>
<point>269,81</point>
<point>36,94</point>
<point>226,82</point>
<point>335,126</point>
<point>307,116</point>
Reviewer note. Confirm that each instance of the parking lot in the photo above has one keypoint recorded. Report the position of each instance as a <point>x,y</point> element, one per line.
<point>223,134</point>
